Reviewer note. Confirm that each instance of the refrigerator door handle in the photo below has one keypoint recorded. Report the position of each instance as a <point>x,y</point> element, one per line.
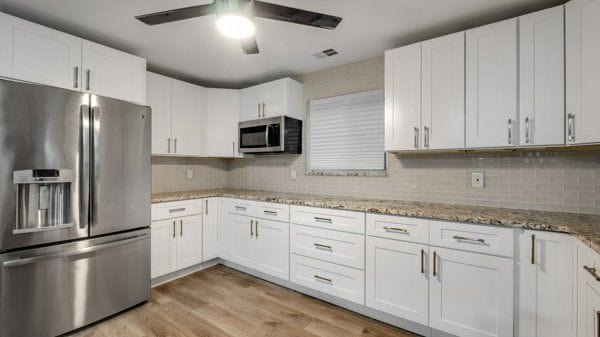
<point>85,250</point>
<point>94,160</point>
<point>84,164</point>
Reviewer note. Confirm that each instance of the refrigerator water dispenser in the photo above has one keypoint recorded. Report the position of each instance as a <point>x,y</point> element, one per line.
<point>43,199</point>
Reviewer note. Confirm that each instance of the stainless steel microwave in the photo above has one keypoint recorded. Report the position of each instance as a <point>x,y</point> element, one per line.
<point>271,135</point>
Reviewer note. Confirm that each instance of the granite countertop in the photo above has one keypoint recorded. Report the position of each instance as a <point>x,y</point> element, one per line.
<point>585,227</point>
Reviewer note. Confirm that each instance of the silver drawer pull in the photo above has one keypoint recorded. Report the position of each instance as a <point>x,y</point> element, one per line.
<point>175,210</point>
<point>323,247</point>
<point>395,229</point>
<point>592,271</point>
<point>270,213</point>
<point>326,220</point>
<point>464,238</point>
<point>322,279</point>
<point>240,208</point>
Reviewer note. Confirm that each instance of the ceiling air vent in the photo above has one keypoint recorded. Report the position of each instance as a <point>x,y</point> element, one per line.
<point>325,53</point>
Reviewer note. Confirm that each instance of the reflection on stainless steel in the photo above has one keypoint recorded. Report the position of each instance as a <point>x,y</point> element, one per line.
<point>65,165</point>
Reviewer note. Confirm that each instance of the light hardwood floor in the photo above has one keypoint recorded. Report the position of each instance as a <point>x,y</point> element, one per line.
<point>220,301</point>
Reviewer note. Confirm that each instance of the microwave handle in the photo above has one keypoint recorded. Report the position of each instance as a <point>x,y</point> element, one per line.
<point>267,135</point>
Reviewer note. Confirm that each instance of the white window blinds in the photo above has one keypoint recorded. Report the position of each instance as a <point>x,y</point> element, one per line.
<point>347,132</point>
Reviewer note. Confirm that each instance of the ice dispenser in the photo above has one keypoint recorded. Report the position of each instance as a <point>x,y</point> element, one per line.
<point>43,199</point>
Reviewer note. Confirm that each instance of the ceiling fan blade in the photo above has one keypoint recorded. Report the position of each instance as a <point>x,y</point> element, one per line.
<point>177,14</point>
<point>249,45</point>
<point>271,11</point>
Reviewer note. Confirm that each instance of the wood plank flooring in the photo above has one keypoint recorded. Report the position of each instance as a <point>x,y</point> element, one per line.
<point>222,302</point>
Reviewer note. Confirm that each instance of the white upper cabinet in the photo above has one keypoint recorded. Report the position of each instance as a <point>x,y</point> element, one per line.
<point>34,53</point>
<point>158,95</point>
<point>491,86</point>
<point>443,100</point>
<point>220,136</point>
<point>403,98</point>
<point>113,73</point>
<point>188,105</point>
<point>542,78</point>
<point>545,260</point>
<point>582,20</point>
<point>271,99</point>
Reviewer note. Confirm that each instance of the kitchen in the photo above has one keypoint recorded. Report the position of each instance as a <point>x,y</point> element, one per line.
<point>437,175</point>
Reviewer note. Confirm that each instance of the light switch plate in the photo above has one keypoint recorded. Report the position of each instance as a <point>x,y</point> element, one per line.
<point>292,174</point>
<point>190,174</point>
<point>477,179</point>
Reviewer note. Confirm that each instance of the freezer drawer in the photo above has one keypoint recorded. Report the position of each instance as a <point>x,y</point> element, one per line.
<point>52,290</point>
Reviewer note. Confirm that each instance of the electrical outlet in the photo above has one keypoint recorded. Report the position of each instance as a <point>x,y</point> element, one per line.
<point>189,174</point>
<point>292,174</point>
<point>477,179</point>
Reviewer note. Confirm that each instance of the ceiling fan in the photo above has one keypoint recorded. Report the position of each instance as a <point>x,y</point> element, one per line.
<point>235,18</point>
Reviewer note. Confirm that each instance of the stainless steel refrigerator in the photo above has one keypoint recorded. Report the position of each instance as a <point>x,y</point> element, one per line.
<point>74,208</point>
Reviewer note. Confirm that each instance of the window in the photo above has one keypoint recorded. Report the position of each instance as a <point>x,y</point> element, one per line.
<point>346,133</point>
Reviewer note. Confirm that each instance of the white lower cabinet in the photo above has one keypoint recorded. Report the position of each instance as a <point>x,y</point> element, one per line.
<point>223,228</point>
<point>397,279</point>
<point>210,218</point>
<point>588,292</point>
<point>471,294</point>
<point>259,244</point>
<point>175,244</point>
<point>545,284</point>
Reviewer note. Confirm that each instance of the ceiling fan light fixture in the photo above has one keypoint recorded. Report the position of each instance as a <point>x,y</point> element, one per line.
<point>235,26</point>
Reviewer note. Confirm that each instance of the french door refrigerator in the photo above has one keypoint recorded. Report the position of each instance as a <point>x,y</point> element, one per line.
<point>74,208</point>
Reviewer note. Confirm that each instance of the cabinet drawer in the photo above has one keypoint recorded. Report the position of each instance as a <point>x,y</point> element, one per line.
<point>175,209</point>
<point>475,238</point>
<point>242,207</point>
<point>272,211</point>
<point>347,221</point>
<point>398,228</point>
<point>347,249</point>
<point>343,282</point>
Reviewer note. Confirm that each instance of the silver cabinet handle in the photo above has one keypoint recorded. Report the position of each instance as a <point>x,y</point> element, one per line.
<point>395,229</point>
<point>592,271</point>
<point>434,263</point>
<point>270,213</point>
<point>263,109</point>
<point>325,220</point>
<point>76,79</point>
<point>422,261</point>
<point>233,148</point>
<point>176,210</point>
<point>323,247</point>
<point>251,227</point>
<point>322,279</point>
<point>464,238</point>
<point>206,207</point>
<point>527,130</point>
<point>81,251</point>
<point>88,75</point>
<point>416,135</point>
<point>510,131</point>
<point>426,135</point>
<point>175,145</point>
<point>258,110</point>
<point>256,227</point>
<point>533,249</point>
<point>168,145</point>
<point>181,228</point>
<point>571,133</point>
<point>240,208</point>
<point>174,229</point>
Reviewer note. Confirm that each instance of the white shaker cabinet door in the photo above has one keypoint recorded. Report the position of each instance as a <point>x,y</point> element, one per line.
<point>158,95</point>
<point>220,125</point>
<point>542,78</point>
<point>403,98</point>
<point>443,106</point>
<point>188,231</point>
<point>187,111</point>
<point>491,85</point>
<point>273,239</point>
<point>471,294</point>
<point>38,54</point>
<point>397,278</point>
<point>209,228</point>
<point>545,260</point>
<point>223,228</point>
<point>163,247</point>
<point>242,242</point>
<point>582,20</point>
<point>113,73</point>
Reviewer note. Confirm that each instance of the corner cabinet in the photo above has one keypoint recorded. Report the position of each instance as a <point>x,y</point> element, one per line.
<point>588,292</point>
<point>159,99</point>
<point>491,86</point>
<point>276,98</point>
<point>582,24</point>
<point>220,123</point>
<point>210,223</point>
<point>187,109</point>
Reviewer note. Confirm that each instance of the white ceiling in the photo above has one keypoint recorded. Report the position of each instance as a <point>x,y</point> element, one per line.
<point>194,50</point>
